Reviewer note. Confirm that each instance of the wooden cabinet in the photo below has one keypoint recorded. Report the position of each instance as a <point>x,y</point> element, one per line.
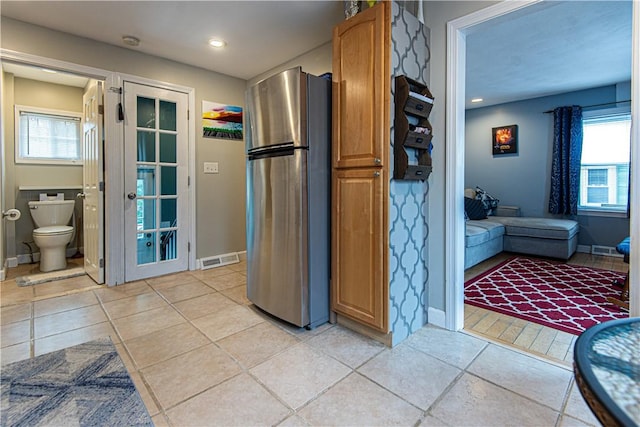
<point>360,238</point>
<point>360,179</point>
<point>361,89</point>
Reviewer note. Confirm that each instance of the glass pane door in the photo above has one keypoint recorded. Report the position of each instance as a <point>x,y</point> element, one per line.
<point>156,182</point>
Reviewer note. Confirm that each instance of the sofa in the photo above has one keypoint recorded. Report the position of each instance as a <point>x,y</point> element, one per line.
<point>506,230</point>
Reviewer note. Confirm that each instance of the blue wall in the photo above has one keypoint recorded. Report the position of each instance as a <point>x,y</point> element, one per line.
<point>408,200</point>
<point>523,179</point>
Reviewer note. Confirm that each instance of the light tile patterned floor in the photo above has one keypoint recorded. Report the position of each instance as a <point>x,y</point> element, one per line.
<point>200,354</point>
<point>531,337</point>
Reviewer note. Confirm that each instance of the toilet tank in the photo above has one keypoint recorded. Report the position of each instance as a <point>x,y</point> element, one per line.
<point>51,212</point>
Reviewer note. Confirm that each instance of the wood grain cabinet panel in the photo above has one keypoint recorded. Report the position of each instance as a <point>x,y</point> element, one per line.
<point>359,264</point>
<point>361,89</point>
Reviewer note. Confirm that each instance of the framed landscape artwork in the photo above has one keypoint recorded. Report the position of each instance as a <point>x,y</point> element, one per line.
<point>221,121</point>
<point>504,140</point>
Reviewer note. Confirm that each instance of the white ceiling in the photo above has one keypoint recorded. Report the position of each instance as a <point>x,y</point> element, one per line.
<point>548,48</point>
<point>260,34</point>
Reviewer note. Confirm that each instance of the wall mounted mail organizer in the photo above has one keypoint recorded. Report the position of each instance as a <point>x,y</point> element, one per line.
<point>413,132</point>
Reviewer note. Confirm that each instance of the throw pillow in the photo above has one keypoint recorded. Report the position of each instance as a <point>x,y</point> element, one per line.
<point>489,202</point>
<point>474,209</point>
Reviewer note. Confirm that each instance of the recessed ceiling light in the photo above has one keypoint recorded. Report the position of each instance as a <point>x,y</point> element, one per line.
<point>477,100</point>
<point>46,70</point>
<point>217,43</point>
<point>130,40</point>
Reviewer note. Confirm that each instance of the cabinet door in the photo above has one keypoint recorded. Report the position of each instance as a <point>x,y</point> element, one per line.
<point>361,88</point>
<point>359,246</point>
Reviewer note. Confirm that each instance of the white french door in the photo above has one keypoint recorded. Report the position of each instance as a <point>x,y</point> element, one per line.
<point>93,182</point>
<point>156,186</point>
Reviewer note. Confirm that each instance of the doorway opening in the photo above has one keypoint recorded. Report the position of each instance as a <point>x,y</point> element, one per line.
<point>45,166</point>
<point>457,31</point>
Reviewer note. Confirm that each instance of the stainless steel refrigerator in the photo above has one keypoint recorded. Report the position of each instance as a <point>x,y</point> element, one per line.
<point>288,196</point>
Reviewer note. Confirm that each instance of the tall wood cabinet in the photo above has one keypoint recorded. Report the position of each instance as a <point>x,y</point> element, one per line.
<point>360,178</point>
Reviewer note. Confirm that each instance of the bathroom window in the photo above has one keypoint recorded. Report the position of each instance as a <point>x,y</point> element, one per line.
<point>48,136</point>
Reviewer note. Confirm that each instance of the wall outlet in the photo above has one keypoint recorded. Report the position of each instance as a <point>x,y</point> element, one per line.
<point>210,167</point>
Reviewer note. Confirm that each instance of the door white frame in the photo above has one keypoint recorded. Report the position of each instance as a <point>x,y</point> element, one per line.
<point>191,187</point>
<point>457,31</point>
<point>114,155</point>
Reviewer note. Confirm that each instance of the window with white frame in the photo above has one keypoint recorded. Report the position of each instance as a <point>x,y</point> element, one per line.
<point>604,172</point>
<point>48,136</point>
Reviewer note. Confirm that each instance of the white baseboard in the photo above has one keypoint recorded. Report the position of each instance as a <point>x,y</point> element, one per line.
<point>11,262</point>
<point>220,260</point>
<point>3,274</point>
<point>605,251</point>
<point>26,258</point>
<point>436,317</point>
<point>584,249</point>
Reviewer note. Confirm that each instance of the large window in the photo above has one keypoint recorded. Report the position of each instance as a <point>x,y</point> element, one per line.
<point>48,136</point>
<point>604,174</point>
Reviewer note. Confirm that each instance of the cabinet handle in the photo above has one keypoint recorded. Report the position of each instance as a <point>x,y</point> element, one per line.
<point>376,174</point>
<point>377,161</point>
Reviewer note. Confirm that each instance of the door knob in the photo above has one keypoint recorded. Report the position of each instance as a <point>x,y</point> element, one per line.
<point>376,174</point>
<point>132,195</point>
<point>81,196</point>
<point>377,161</point>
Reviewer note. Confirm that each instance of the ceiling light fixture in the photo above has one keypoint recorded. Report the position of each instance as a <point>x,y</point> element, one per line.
<point>474,100</point>
<point>217,43</point>
<point>130,40</point>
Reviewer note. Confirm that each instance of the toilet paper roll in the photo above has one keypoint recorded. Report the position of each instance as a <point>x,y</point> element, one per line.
<point>12,214</point>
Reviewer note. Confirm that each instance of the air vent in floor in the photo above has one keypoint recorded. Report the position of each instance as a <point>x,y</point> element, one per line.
<point>604,250</point>
<point>219,260</point>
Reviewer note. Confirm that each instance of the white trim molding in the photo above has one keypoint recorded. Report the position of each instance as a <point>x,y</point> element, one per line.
<point>457,31</point>
<point>634,259</point>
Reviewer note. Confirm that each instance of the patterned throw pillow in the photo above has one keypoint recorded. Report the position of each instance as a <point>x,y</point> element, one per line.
<point>489,202</point>
<point>474,209</point>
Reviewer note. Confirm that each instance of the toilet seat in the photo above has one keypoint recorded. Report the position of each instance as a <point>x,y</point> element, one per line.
<point>53,230</point>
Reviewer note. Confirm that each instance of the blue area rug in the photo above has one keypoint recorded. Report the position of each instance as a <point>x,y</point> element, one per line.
<point>85,385</point>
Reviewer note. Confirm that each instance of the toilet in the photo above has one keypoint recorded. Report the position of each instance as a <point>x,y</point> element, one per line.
<point>52,234</point>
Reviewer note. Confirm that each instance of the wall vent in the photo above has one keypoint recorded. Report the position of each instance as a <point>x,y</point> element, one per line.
<point>605,250</point>
<point>219,260</point>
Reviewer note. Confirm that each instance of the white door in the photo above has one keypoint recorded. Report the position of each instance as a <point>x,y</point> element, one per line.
<point>156,187</point>
<point>93,181</point>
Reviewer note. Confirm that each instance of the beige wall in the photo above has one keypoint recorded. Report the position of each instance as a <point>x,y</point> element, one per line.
<point>316,62</point>
<point>220,198</point>
<point>49,178</point>
<point>43,95</point>
<point>220,204</point>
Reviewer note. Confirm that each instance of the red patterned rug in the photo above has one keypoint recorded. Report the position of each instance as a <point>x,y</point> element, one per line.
<point>566,297</point>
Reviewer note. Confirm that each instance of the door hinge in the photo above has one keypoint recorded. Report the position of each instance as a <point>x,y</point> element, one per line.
<point>188,181</point>
<point>101,186</point>
<point>187,114</point>
<point>101,263</point>
<point>188,246</point>
<point>101,109</point>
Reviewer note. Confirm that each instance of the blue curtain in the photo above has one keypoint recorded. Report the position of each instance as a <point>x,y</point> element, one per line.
<point>565,167</point>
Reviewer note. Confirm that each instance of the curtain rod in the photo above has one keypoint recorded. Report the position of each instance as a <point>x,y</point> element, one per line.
<point>596,105</point>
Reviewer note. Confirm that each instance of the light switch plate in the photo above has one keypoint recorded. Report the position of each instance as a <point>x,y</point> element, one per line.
<point>210,167</point>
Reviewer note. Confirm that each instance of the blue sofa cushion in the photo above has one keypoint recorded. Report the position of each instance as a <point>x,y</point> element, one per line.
<point>624,246</point>
<point>482,231</point>
<point>544,228</point>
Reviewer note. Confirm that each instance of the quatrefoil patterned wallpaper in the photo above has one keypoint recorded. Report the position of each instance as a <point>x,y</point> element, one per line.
<point>408,204</point>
